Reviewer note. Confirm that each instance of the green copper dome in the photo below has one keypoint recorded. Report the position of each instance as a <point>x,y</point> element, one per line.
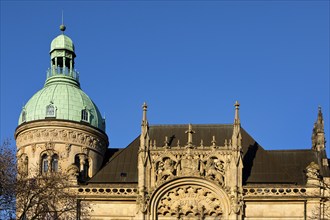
<point>61,97</point>
<point>68,101</point>
<point>62,42</point>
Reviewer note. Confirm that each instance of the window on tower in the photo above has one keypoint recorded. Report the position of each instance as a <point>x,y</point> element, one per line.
<point>23,116</point>
<point>44,163</point>
<point>49,162</point>
<point>50,110</point>
<point>55,163</point>
<point>84,115</point>
<point>26,166</point>
<point>83,164</point>
<point>86,169</point>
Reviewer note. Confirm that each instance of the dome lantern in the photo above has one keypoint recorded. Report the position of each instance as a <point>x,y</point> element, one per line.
<point>61,97</point>
<point>62,55</point>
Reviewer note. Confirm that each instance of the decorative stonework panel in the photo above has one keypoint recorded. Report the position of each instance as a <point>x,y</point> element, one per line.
<point>279,192</point>
<point>214,170</point>
<point>165,169</point>
<point>61,135</point>
<point>180,164</point>
<point>189,201</point>
<point>189,166</point>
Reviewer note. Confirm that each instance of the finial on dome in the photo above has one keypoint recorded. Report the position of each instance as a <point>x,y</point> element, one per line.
<point>62,26</point>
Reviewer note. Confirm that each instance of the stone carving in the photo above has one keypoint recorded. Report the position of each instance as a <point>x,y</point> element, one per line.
<point>49,146</point>
<point>61,135</point>
<point>190,201</point>
<point>142,201</point>
<point>312,171</point>
<point>214,170</point>
<point>68,149</point>
<point>209,166</point>
<point>236,200</point>
<point>189,165</point>
<point>33,149</point>
<point>165,169</point>
<point>85,151</point>
<point>73,172</point>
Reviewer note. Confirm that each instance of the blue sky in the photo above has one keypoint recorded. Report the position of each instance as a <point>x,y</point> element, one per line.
<point>189,60</point>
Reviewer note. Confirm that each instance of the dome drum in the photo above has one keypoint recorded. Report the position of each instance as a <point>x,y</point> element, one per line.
<point>63,138</point>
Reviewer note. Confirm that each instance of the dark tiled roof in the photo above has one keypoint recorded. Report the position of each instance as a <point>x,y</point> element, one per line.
<point>281,167</point>
<point>260,166</point>
<point>121,167</point>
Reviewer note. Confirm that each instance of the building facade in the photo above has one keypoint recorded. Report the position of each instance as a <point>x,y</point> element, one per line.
<point>195,171</point>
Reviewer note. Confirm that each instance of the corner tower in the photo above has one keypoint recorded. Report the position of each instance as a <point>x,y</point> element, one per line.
<point>60,128</point>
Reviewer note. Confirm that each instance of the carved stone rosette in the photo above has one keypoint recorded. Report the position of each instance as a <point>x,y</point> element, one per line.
<point>190,198</point>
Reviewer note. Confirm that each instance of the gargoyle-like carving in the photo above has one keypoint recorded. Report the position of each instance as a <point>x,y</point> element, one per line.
<point>165,169</point>
<point>49,146</point>
<point>236,200</point>
<point>312,171</point>
<point>214,170</point>
<point>142,201</point>
<point>73,171</point>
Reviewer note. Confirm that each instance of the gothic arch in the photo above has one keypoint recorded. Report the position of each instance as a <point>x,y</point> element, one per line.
<point>189,196</point>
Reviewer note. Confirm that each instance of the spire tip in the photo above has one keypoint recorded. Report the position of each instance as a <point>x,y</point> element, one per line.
<point>144,106</point>
<point>237,104</point>
<point>62,26</point>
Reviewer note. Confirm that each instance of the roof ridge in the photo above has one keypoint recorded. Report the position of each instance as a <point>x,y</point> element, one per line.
<point>283,150</point>
<point>163,125</point>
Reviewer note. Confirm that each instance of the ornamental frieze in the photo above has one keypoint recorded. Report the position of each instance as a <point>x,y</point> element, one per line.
<point>61,136</point>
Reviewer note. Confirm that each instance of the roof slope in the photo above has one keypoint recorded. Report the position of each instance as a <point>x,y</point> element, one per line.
<point>260,166</point>
<point>121,167</point>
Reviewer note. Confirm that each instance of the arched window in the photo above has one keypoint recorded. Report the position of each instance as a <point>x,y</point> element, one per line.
<point>55,163</point>
<point>23,164</point>
<point>86,169</point>
<point>44,163</point>
<point>26,166</point>
<point>82,162</point>
<point>84,115</point>
<point>77,161</point>
<point>23,116</point>
<point>50,110</point>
